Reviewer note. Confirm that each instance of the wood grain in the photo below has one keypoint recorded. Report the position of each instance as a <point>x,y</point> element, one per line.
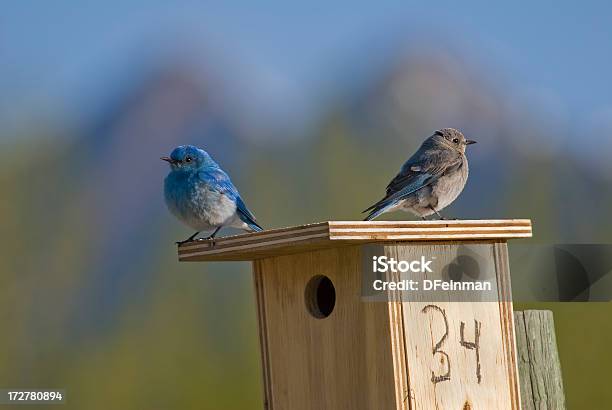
<point>433,340</point>
<point>379,355</point>
<point>502,269</point>
<point>323,235</point>
<point>538,358</point>
<point>351,359</point>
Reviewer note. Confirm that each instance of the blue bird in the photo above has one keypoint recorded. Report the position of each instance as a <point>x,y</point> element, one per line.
<point>430,180</point>
<point>201,195</point>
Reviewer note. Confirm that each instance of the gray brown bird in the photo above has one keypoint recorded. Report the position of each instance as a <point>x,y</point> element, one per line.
<point>430,180</point>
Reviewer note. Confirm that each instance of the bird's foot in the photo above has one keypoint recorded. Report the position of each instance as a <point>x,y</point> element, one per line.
<point>442,217</point>
<point>211,238</point>
<point>190,239</point>
<point>438,214</point>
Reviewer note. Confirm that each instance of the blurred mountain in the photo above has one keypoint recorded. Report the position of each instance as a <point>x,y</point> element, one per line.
<point>522,166</point>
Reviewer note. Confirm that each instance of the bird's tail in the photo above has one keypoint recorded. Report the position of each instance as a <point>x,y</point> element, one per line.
<point>376,211</point>
<point>250,222</point>
<point>246,216</point>
<point>254,226</point>
<point>379,208</point>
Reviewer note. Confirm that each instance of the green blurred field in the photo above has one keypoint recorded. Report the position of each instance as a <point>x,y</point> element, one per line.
<point>94,301</point>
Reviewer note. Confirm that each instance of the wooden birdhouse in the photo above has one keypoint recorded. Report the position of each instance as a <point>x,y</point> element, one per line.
<point>336,331</point>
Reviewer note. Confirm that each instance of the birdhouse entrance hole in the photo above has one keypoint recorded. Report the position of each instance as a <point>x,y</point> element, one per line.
<point>320,296</point>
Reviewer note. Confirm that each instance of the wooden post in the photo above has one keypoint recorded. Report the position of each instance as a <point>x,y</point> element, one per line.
<point>538,361</point>
<point>324,347</point>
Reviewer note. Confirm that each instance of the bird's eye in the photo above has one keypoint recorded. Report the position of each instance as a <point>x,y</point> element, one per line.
<point>456,140</point>
<point>187,159</point>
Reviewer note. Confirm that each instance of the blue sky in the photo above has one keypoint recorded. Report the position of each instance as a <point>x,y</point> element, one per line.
<point>57,55</point>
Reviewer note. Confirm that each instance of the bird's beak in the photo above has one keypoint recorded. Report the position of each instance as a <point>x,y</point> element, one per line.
<point>470,142</point>
<point>168,159</point>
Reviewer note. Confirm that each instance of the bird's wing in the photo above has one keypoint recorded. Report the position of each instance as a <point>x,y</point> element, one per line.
<point>418,172</point>
<point>218,180</point>
<point>415,173</point>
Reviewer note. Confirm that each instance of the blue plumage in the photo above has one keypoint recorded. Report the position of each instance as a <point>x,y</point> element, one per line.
<point>201,195</point>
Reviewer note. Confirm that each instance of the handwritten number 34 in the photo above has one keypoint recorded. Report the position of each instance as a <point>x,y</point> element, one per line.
<point>437,349</point>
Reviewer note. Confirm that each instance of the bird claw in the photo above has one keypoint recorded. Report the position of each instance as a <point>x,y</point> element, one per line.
<point>211,239</point>
<point>208,239</point>
<point>190,239</point>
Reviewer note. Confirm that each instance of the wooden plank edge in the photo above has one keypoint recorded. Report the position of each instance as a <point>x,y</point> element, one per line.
<point>207,250</point>
<point>502,269</point>
<point>263,335</point>
<point>444,222</point>
<point>432,237</point>
<point>289,239</point>
<point>249,248</point>
<point>356,235</point>
<point>258,236</point>
<point>432,229</point>
<point>339,226</point>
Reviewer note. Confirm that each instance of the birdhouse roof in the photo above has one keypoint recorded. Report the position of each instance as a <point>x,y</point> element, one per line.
<point>329,234</point>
